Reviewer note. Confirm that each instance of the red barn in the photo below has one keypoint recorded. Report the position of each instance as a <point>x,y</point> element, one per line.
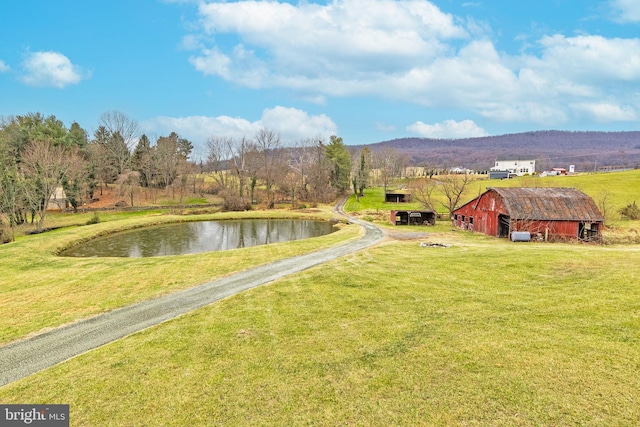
<point>545,213</point>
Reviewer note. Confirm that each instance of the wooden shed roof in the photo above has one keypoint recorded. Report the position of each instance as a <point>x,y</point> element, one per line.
<point>556,204</point>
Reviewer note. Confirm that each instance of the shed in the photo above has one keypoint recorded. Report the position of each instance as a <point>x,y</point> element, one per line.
<point>499,174</point>
<point>58,200</point>
<point>397,196</point>
<point>546,213</point>
<point>413,217</point>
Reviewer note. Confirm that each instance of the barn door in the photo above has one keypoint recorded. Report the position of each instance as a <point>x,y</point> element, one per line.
<point>503,225</point>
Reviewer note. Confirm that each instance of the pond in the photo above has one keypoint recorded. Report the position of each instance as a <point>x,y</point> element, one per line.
<point>197,237</point>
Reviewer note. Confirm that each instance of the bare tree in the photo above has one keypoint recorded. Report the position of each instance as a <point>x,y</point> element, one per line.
<point>290,186</point>
<point>388,164</point>
<point>319,177</point>
<point>300,161</point>
<point>422,191</point>
<point>218,156</point>
<point>122,131</point>
<point>603,201</point>
<point>129,182</point>
<point>241,153</point>
<point>44,167</point>
<point>168,158</point>
<point>268,145</point>
<point>453,187</point>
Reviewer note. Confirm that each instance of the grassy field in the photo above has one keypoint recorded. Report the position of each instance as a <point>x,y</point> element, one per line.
<point>39,290</point>
<point>483,332</point>
<point>619,189</point>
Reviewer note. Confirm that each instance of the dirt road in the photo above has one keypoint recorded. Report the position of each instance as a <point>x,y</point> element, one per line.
<point>25,357</point>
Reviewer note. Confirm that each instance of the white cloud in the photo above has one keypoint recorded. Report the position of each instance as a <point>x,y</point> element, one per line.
<point>199,128</point>
<point>591,59</point>
<point>410,51</point>
<point>50,69</point>
<point>212,61</point>
<point>308,43</point>
<point>606,112</point>
<point>290,123</point>
<point>447,129</point>
<point>4,67</point>
<point>626,10</point>
<point>293,124</point>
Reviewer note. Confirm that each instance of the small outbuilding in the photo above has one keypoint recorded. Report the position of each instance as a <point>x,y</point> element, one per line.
<point>545,213</point>
<point>397,196</point>
<point>413,217</point>
<point>58,200</point>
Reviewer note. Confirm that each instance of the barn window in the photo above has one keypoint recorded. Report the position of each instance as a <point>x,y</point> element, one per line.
<point>470,220</point>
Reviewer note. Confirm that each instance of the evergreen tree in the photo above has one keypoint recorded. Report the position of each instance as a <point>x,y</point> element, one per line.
<point>340,160</point>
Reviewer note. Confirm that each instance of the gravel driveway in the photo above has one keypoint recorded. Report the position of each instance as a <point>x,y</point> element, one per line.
<point>25,357</point>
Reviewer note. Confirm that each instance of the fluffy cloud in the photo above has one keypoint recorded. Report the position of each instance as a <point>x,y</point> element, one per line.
<point>447,129</point>
<point>590,59</point>
<point>293,124</point>
<point>4,67</point>
<point>299,45</point>
<point>290,123</point>
<point>410,51</point>
<point>50,69</point>
<point>606,112</point>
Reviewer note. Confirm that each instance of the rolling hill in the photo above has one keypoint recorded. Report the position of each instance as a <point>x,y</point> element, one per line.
<point>586,150</point>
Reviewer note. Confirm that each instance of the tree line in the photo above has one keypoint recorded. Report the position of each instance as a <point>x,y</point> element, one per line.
<point>39,155</point>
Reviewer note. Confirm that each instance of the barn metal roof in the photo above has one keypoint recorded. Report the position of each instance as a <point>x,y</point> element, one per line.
<point>557,204</point>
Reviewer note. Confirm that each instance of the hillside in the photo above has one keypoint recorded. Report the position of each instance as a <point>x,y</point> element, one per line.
<point>586,150</point>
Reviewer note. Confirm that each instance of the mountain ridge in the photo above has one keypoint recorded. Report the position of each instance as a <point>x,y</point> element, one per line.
<point>587,150</point>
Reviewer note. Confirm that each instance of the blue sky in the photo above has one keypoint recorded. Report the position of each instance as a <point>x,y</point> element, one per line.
<point>366,70</point>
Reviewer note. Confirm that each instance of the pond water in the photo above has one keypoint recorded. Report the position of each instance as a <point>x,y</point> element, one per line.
<point>197,237</point>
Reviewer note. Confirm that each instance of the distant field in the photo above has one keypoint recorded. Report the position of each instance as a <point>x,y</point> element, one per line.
<point>620,189</point>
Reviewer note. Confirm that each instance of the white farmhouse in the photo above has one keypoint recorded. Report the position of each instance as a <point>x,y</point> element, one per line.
<point>517,167</point>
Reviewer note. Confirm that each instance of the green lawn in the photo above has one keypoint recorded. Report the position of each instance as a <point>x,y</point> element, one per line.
<point>485,332</point>
<point>620,189</point>
<point>40,290</point>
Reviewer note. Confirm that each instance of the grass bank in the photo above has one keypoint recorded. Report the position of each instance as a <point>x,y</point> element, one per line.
<point>40,290</point>
<point>484,332</point>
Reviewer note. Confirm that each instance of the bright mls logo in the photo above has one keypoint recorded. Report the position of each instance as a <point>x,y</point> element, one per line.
<point>34,415</point>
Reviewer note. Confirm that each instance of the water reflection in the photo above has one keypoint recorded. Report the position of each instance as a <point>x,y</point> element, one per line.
<point>197,237</point>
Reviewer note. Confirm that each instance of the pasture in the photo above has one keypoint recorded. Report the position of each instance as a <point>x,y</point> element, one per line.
<point>483,332</point>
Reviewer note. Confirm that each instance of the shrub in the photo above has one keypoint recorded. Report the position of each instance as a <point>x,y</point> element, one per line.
<point>235,203</point>
<point>94,219</point>
<point>630,211</point>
